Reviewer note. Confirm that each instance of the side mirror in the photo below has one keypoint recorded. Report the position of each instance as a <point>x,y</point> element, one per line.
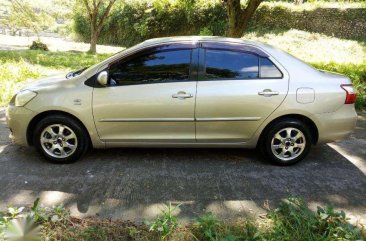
<point>103,78</point>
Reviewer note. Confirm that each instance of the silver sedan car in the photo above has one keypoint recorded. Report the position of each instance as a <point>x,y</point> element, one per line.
<point>186,92</point>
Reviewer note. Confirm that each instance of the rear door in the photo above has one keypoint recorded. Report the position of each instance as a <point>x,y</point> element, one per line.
<point>238,88</point>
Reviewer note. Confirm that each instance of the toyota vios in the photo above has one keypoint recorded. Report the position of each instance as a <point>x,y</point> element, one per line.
<point>186,92</point>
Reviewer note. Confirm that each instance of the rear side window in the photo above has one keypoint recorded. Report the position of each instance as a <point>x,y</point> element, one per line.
<point>225,64</point>
<point>268,69</point>
<point>156,67</point>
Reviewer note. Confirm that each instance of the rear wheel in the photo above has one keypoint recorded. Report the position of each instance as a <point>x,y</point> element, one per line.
<point>60,139</point>
<point>288,141</point>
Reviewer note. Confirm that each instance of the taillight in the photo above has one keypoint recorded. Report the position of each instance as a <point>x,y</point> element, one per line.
<point>350,94</point>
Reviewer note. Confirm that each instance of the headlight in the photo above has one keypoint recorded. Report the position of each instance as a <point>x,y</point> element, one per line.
<point>23,97</point>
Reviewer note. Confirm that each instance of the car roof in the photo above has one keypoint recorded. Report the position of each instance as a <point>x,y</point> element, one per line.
<point>209,41</point>
<point>197,39</point>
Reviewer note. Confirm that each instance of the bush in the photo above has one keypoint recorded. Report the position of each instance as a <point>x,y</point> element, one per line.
<point>38,45</point>
<point>293,220</point>
<point>140,20</point>
<point>349,23</point>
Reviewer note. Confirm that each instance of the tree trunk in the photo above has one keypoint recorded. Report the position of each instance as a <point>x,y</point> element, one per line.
<point>93,43</point>
<point>94,34</point>
<point>239,18</point>
<point>234,12</point>
<point>95,26</point>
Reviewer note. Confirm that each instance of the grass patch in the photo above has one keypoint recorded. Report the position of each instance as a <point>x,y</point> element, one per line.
<point>55,60</point>
<point>292,220</point>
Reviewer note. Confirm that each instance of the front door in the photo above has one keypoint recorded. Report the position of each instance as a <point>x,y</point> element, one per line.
<point>236,92</point>
<point>150,98</point>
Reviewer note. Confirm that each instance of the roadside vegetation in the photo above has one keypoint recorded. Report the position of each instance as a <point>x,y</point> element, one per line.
<point>292,220</point>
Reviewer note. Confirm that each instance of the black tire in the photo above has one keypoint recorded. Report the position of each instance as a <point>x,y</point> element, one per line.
<point>64,120</point>
<point>265,144</point>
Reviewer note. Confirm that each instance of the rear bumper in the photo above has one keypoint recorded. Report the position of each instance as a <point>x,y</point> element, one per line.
<point>18,119</point>
<point>336,125</point>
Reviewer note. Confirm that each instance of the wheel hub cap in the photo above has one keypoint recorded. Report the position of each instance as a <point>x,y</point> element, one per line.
<point>58,141</point>
<point>288,143</point>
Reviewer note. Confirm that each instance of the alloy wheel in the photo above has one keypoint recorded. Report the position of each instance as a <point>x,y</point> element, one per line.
<point>58,141</point>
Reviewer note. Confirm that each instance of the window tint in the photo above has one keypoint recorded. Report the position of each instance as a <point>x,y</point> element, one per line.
<point>269,70</point>
<point>222,64</point>
<point>156,67</point>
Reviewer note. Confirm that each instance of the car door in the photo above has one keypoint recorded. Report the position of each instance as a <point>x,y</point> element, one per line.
<point>150,97</point>
<point>238,88</point>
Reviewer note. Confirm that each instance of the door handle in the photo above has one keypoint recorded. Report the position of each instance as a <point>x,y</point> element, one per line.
<point>182,95</point>
<point>268,93</point>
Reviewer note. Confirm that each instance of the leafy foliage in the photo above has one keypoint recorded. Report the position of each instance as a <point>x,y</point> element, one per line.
<point>166,223</point>
<point>294,221</point>
<point>135,21</point>
<point>208,225</point>
<point>22,224</point>
<point>23,14</point>
<point>38,45</point>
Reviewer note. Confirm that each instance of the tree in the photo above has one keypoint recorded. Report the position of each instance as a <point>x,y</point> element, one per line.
<point>238,16</point>
<point>98,12</point>
<point>27,15</point>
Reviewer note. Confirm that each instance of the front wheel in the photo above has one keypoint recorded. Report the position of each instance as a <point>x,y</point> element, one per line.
<point>287,142</point>
<point>60,139</point>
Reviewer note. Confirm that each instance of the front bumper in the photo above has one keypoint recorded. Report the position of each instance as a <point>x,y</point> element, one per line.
<point>18,119</point>
<point>336,125</point>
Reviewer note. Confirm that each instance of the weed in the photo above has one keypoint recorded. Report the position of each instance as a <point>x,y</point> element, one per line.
<point>166,223</point>
<point>293,220</point>
<point>208,225</point>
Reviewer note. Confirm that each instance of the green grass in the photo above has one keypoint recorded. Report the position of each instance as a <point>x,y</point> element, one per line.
<point>324,52</point>
<point>19,67</point>
<point>292,220</point>
<point>54,60</point>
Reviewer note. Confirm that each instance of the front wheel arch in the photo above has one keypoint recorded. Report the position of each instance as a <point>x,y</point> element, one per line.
<point>42,115</point>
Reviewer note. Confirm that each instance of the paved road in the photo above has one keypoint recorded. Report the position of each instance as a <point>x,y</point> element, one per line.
<point>135,183</point>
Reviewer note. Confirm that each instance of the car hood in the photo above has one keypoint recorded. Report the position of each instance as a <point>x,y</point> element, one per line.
<point>53,81</point>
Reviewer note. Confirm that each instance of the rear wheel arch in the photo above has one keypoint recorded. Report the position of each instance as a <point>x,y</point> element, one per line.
<point>42,115</point>
<point>306,120</point>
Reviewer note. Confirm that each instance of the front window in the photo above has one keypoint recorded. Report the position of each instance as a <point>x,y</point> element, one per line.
<point>153,67</point>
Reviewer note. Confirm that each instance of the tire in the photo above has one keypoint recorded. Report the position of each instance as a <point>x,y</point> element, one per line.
<point>60,139</point>
<point>286,142</point>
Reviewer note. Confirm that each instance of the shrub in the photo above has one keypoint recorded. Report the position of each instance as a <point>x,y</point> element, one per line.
<point>38,45</point>
<point>293,220</point>
<point>135,21</point>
